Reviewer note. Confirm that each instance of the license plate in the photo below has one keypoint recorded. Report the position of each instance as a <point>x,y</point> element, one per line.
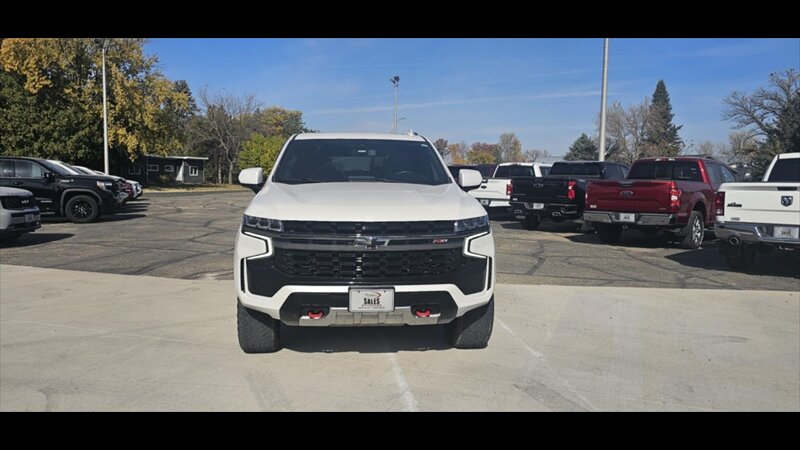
<point>627,217</point>
<point>786,232</point>
<point>371,300</point>
<point>484,202</point>
<point>29,218</point>
<point>537,206</point>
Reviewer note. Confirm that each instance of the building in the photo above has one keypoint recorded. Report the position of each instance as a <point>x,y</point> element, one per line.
<point>153,169</point>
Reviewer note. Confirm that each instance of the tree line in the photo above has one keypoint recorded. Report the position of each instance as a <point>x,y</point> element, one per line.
<point>507,149</point>
<point>51,106</point>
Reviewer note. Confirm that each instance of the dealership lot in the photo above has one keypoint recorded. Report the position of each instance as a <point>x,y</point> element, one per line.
<point>190,236</point>
<point>136,312</point>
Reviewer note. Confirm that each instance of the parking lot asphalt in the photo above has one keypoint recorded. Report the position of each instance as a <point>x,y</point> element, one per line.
<point>72,340</point>
<point>191,236</point>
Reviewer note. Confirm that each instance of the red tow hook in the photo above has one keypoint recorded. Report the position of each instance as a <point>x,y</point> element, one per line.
<point>423,313</point>
<point>315,314</point>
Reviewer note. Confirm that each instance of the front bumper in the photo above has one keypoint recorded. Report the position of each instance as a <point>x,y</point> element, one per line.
<point>557,210</point>
<point>14,221</point>
<point>640,219</point>
<point>262,287</point>
<point>753,233</point>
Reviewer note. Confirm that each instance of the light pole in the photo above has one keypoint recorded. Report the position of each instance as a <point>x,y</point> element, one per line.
<point>105,112</point>
<point>396,82</point>
<point>603,102</point>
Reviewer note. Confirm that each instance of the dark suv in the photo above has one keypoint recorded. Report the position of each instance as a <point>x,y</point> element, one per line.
<point>81,198</point>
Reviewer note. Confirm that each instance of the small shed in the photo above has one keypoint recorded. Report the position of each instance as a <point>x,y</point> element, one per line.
<point>150,169</point>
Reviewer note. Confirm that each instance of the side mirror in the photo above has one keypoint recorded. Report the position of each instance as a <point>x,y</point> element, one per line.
<point>47,177</point>
<point>252,178</point>
<point>469,179</point>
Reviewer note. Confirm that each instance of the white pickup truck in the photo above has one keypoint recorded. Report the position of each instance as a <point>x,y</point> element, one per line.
<point>757,218</point>
<point>495,192</point>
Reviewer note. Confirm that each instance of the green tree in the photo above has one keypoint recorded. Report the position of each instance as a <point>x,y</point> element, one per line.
<point>509,148</point>
<point>277,121</point>
<point>583,149</point>
<point>770,117</point>
<point>661,135</point>
<point>56,84</point>
<point>441,147</point>
<point>482,153</point>
<point>260,151</point>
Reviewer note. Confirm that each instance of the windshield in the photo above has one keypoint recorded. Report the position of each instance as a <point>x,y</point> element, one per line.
<point>57,168</point>
<point>786,170</point>
<point>515,170</point>
<point>69,170</point>
<point>587,169</point>
<point>665,170</point>
<point>360,160</point>
<point>83,170</point>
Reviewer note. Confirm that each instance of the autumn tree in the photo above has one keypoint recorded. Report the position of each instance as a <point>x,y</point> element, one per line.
<point>770,116</point>
<point>277,121</point>
<point>536,155</point>
<point>482,153</point>
<point>51,96</point>
<point>583,149</point>
<point>661,134</point>
<point>509,148</point>
<point>457,152</point>
<point>441,147</point>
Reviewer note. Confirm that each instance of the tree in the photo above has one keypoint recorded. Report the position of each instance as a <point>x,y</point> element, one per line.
<point>261,151</point>
<point>482,153</point>
<point>661,134</point>
<point>626,131</point>
<point>536,155</point>
<point>55,87</point>
<point>770,116</point>
<point>277,121</point>
<point>583,149</point>
<point>708,148</point>
<point>457,152</point>
<point>442,148</point>
<point>229,121</point>
<point>509,148</point>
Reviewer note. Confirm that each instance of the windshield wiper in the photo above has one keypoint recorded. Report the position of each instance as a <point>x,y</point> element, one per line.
<point>301,181</point>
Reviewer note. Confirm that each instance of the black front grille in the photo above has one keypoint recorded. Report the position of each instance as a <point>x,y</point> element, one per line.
<point>368,228</point>
<point>369,264</point>
<point>18,202</point>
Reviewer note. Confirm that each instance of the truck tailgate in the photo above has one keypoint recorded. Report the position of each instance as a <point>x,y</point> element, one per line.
<point>494,188</point>
<point>777,203</point>
<point>646,196</point>
<point>539,190</point>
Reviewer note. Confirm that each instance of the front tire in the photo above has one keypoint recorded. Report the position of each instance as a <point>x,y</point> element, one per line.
<point>694,231</point>
<point>82,209</point>
<point>609,233</point>
<point>258,332</point>
<point>531,222</point>
<point>473,329</point>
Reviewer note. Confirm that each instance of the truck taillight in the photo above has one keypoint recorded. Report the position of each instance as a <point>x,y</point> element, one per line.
<point>509,188</point>
<point>571,189</point>
<point>674,197</point>
<point>719,203</point>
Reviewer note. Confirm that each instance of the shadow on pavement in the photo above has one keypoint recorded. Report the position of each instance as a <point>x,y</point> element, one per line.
<point>778,264</point>
<point>120,217</point>
<point>364,339</point>
<point>35,238</point>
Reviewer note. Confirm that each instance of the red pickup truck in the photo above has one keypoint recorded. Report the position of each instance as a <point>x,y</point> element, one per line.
<point>672,194</point>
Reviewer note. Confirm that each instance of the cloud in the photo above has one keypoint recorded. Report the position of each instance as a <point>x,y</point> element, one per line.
<point>453,102</point>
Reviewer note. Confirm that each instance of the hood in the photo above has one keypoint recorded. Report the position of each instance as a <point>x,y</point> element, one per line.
<point>14,192</point>
<point>369,202</point>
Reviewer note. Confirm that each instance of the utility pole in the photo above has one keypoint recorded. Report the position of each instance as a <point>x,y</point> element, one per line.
<point>396,82</point>
<point>105,114</point>
<point>603,102</point>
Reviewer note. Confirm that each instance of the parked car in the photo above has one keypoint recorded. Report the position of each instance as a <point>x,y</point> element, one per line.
<point>18,213</point>
<point>135,188</point>
<point>757,218</point>
<point>355,229</point>
<point>496,191</point>
<point>125,190</point>
<point>81,198</point>
<point>559,195</point>
<point>672,194</point>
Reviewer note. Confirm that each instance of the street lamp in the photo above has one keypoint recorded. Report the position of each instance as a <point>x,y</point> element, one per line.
<point>395,82</point>
<point>102,43</point>
<point>602,152</point>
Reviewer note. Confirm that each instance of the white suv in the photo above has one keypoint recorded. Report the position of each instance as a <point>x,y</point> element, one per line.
<point>357,229</point>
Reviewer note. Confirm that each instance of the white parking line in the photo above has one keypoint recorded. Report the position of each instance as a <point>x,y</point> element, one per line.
<point>408,397</point>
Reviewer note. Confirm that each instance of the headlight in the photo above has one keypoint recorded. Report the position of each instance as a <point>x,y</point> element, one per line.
<point>471,224</point>
<point>262,223</point>
<point>105,185</point>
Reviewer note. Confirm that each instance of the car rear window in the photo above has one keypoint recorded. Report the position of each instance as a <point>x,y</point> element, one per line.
<point>786,170</point>
<point>588,169</point>
<point>666,170</point>
<point>514,171</point>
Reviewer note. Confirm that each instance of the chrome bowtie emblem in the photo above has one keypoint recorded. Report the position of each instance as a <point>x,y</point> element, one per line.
<point>370,242</point>
<point>786,200</point>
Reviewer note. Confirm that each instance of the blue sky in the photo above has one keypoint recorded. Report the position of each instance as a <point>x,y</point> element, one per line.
<point>547,91</point>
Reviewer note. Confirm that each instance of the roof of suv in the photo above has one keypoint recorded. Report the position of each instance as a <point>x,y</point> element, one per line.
<point>381,136</point>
